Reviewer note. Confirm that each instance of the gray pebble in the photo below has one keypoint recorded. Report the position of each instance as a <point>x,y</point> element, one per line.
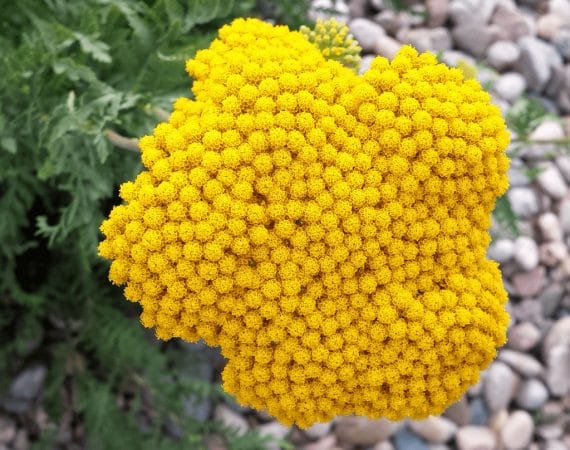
<point>532,394</point>
<point>551,181</point>
<point>24,389</point>
<point>524,364</point>
<point>479,412</point>
<point>518,430</point>
<point>550,227</point>
<point>407,440</point>
<point>523,336</point>
<point>503,54</point>
<point>365,32</point>
<point>501,250</point>
<point>526,253</point>
<point>524,201</point>
<point>500,385</point>
<point>536,62</point>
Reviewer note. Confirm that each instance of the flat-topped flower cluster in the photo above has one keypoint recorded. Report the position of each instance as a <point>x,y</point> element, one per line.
<point>326,230</point>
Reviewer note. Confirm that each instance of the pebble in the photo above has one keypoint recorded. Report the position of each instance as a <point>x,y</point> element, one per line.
<point>406,440</point>
<point>318,430</point>
<point>555,445</point>
<point>487,76</point>
<point>476,38</point>
<point>523,336</point>
<point>476,438</point>
<point>199,364</point>
<point>556,355</point>
<point>551,181</point>
<point>536,61</point>
<point>518,430</point>
<point>24,389</point>
<point>564,214</point>
<point>550,226</point>
<point>424,39</point>
<point>550,431</point>
<point>551,411</point>
<point>365,63</point>
<point>526,253</point>
<point>516,174</point>
<point>512,23</point>
<point>479,412</point>
<point>360,430</point>
<point>500,385</point>
<point>386,46</point>
<point>561,41</point>
<point>435,429</point>
<point>552,253</point>
<point>556,85</point>
<point>437,11</point>
<point>7,430</point>
<point>550,299</point>
<point>390,21</point>
<point>384,445</point>
<point>524,364</point>
<point>547,130</point>
<point>21,441</point>
<point>528,310</point>
<point>524,201</point>
<point>547,25</point>
<point>325,9</point>
<point>498,420</point>
<point>365,32</point>
<point>501,250</point>
<point>532,394</point>
<point>529,284</point>
<point>471,11</point>
<point>563,164</point>
<point>357,8</point>
<point>477,388</point>
<point>231,419</point>
<point>459,412</point>
<point>560,8</point>
<point>503,54</point>
<point>377,5</point>
<point>510,86</point>
<point>325,443</point>
<point>460,13</point>
<point>199,410</point>
<point>273,429</point>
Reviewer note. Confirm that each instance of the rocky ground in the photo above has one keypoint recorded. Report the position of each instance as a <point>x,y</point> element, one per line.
<point>520,48</point>
<point>523,399</point>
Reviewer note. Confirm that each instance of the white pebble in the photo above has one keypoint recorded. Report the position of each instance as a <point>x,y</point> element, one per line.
<point>526,253</point>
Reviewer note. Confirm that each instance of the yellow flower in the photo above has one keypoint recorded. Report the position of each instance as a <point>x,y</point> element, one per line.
<point>325,229</point>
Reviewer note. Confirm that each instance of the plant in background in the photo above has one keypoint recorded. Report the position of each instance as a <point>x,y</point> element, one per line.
<point>326,230</point>
<point>335,42</point>
<point>522,118</point>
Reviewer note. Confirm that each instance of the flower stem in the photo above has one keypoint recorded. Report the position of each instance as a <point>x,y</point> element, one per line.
<point>122,141</point>
<point>564,141</point>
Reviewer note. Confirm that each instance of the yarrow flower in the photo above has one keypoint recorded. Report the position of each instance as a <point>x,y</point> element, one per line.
<point>326,230</point>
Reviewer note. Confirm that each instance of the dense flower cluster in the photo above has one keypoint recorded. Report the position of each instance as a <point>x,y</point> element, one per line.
<point>334,41</point>
<point>326,230</point>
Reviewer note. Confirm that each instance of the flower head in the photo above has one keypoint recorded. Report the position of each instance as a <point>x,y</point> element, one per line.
<point>326,230</point>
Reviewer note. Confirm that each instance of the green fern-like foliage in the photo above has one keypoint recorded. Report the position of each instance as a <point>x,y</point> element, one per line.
<point>72,70</point>
<point>524,116</point>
